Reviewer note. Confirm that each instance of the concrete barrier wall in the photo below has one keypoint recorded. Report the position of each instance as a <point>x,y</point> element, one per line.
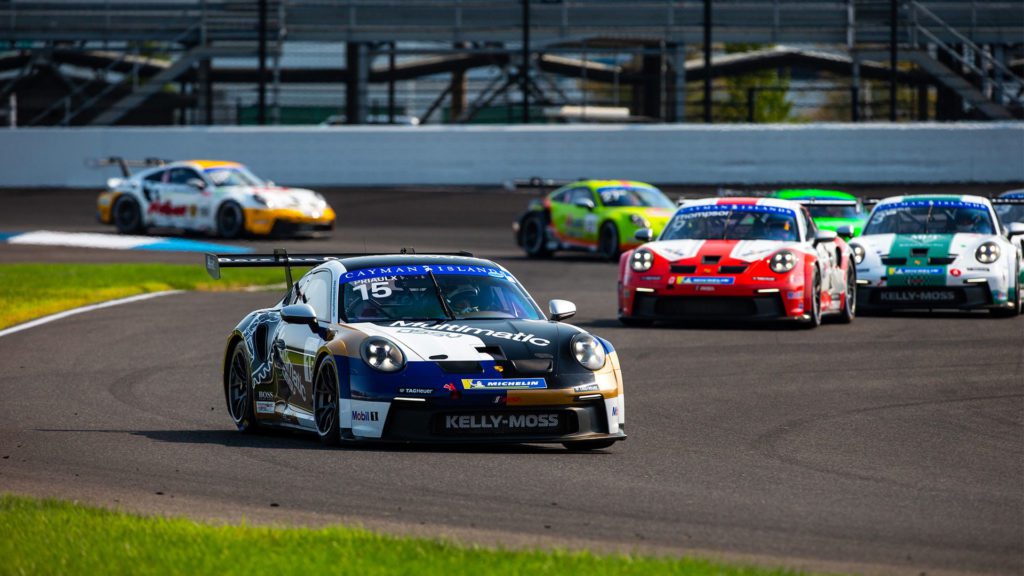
<point>468,155</point>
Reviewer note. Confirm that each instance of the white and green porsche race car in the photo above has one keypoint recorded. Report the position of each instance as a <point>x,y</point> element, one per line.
<point>938,252</point>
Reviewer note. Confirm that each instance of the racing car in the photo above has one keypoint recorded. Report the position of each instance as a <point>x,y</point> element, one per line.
<point>1010,206</point>
<point>209,196</point>
<point>739,258</point>
<point>418,348</point>
<point>830,209</point>
<point>938,252</point>
<point>592,215</point>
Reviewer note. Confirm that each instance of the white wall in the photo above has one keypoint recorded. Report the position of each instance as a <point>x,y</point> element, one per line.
<point>446,155</point>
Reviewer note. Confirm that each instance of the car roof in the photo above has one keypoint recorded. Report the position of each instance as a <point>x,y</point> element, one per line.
<point>208,164</point>
<point>1013,194</point>
<point>598,184</point>
<point>739,200</point>
<point>806,193</point>
<point>385,260</point>
<point>936,198</point>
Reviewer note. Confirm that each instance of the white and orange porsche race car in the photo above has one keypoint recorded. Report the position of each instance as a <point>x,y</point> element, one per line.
<point>210,196</point>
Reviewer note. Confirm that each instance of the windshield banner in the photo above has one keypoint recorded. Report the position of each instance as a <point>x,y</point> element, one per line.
<point>931,203</point>
<point>724,208</point>
<point>422,270</point>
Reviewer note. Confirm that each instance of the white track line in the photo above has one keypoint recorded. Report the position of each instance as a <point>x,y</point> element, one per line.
<point>89,308</point>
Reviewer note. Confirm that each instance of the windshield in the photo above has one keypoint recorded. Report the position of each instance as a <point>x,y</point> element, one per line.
<point>833,211</point>
<point>618,196</point>
<point>409,293</point>
<point>233,176</point>
<point>1010,213</point>
<point>930,217</point>
<point>732,222</point>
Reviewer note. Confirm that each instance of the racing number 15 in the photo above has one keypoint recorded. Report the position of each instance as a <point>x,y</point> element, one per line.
<point>377,290</point>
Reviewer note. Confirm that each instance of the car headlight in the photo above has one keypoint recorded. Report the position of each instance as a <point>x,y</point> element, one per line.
<point>639,221</point>
<point>782,262</point>
<point>588,351</point>
<point>641,261</point>
<point>858,253</point>
<point>382,354</point>
<point>987,253</point>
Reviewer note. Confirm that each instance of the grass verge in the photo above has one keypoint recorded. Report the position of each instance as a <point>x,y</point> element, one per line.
<point>56,537</point>
<point>29,291</point>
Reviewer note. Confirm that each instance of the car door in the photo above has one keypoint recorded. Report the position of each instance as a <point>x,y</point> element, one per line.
<point>297,344</point>
<point>577,223</point>
<point>185,196</point>
<point>828,261</point>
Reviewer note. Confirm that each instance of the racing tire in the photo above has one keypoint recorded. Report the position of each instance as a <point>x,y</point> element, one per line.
<point>238,391</point>
<point>535,241</point>
<point>608,242</point>
<point>815,311</point>
<point>635,322</point>
<point>1010,312</point>
<point>230,220</point>
<point>327,404</point>
<point>128,216</point>
<point>849,311</point>
<point>588,445</point>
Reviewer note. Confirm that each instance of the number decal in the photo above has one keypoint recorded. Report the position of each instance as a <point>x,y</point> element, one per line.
<point>377,290</point>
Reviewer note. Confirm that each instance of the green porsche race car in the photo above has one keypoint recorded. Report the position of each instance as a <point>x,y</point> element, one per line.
<point>592,215</point>
<point>830,209</point>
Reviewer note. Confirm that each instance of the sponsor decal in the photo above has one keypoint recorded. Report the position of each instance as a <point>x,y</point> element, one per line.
<point>420,391</point>
<point>954,272</point>
<point>926,203</point>
<point>166,209</point>
<point>916,296</point>
<point>503,383</point>
<point>387,272</point>
<point>499,421</point>
<point>764,278</point>
<point>449,387</point>
<point>909,271</point>
<point>983,269</point>
<point>720,280</point>
<point>705,288</point>
<point>615,410</point>
<point>365,416</point>
<point>264,407</point>
<point>794,295</point>
<point>265,395</point>
<point>690,211</point>
<point>586,388</point>
<point>472,331</point>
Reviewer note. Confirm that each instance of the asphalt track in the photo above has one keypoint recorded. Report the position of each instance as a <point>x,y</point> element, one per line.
<point>894,445</point>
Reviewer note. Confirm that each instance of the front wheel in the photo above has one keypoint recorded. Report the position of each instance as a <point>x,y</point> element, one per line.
<point>608,241</point>
<point>238,391</point>
<point>230,220</point>
<point>815,309</point>
<point>587,445</point>
<point>849,311</point>
<point>326,411</point>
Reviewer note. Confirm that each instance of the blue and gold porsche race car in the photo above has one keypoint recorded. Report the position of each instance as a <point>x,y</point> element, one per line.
<point>418,348</point>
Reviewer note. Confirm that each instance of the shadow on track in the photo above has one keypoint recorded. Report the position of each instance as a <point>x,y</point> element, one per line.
<point>298,440</point>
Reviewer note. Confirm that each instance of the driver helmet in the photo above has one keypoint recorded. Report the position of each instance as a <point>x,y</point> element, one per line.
<point>463,298</point>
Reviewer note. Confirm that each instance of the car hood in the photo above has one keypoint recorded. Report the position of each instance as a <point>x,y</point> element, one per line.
<point>922,246</point>
<point>743,250</point>
<point>283,197</point>
<point>463,339</point>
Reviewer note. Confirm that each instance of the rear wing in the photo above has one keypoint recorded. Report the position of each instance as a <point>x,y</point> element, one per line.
<point>126,164</point>
<point>538,183</point>
<point>282,259</point>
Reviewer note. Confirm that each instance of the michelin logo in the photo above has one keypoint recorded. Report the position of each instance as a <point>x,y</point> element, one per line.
<point>708,280</point>
<point>503,383</point>
<point>456,328</point>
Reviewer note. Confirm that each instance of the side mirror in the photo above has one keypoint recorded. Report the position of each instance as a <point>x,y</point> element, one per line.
<point>299,314</point>
<point>1014,229</point>
<point>644,235</point>
<point>561,310</point>
<point>196,183</point>
<point>824,236</point>
<point>584,203</point>
<point>845,232</point>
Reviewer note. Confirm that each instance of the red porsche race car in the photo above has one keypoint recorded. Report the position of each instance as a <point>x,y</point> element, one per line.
<point>739,258</point>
